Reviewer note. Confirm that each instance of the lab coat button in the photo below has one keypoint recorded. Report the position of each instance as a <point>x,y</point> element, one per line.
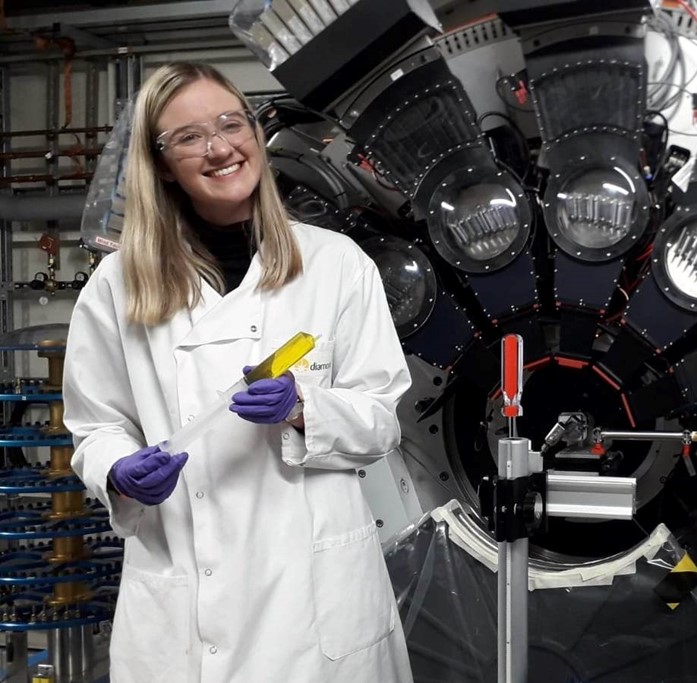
<point>213,649</point>
<point>191,417</point>
<point>253,328</point>
<point>208,572</point>
<point>200,494</point>
<point>286,435</point>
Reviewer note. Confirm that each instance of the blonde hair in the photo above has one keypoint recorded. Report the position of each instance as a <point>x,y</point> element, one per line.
<point>162,262</point>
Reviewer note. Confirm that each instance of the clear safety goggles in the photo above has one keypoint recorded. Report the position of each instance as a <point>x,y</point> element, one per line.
<point>195,139</point>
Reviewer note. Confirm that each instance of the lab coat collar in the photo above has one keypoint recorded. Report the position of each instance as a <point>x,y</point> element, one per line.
<point>237,315</point>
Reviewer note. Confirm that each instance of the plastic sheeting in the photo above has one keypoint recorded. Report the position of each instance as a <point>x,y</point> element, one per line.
<point>105,206</point>
<point>618,629</point>
<point>36,337</point>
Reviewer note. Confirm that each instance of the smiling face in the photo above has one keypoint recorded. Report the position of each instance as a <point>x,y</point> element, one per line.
<point>220,184</point>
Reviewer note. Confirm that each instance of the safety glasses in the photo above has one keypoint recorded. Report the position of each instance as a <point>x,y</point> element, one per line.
<point>195,139</point>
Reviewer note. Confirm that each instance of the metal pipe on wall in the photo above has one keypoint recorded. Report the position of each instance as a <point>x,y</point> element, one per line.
<point>34,177</point>
<point>45,153</point>
<point>55,131</point>
<point>7,360</point>
<point>41,208</point>
<point>129,75</point>
<point>92,114</point>
<point>230,51</point>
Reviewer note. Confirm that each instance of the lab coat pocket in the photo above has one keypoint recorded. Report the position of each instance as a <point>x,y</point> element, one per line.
<point>317,367</point>
<point>353,594</point>
<point>150,640</point>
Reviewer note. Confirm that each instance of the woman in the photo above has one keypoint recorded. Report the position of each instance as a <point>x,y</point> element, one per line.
<point>256,559</point>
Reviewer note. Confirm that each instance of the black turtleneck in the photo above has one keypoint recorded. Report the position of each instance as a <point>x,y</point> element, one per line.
<point>231,245</point>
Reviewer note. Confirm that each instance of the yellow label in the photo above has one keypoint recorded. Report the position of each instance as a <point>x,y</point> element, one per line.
<point>685,565</point>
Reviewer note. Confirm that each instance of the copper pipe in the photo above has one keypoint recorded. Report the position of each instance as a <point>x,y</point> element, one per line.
<point>55,421</point>
<point>69,593</point>
<point>60,461</point>
<point>67,550</point>
<point>56,361</point>
<point>67,505</point>
<point>59,131</point>
<point>48,345</point>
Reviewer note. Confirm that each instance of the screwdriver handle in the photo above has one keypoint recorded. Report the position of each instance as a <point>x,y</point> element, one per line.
<point>512,375</point>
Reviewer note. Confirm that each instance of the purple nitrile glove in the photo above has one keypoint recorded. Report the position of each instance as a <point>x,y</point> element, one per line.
<point>266,401</point>
<point>148,475</point>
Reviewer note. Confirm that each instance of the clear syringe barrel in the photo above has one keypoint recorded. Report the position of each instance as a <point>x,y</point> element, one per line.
<point>273,366</point>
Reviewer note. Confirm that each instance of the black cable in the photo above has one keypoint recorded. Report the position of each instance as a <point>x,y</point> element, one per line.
<point>506,117</point>
<point>660,156</point>
<point>511,171</point>
<point>513,125</point>
<point>655,112</point>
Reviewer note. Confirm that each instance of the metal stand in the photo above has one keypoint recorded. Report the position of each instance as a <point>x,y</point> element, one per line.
<point>517,503</point>
<point>513,577</point>
<point>71,652</point>
<point>523,498</point>
<point>16,656</point>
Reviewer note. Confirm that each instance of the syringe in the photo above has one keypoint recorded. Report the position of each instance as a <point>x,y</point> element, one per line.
<point>275,365</point>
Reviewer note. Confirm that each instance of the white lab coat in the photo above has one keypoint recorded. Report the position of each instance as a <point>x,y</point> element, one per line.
<point>264,565</point>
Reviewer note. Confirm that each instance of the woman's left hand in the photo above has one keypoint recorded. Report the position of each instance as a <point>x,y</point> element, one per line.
<point>266,401</point>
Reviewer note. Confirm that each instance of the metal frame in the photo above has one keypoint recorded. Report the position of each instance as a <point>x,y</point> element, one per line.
<point>6,312</point>
<point>127,15</point>
<point>70,649</point>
